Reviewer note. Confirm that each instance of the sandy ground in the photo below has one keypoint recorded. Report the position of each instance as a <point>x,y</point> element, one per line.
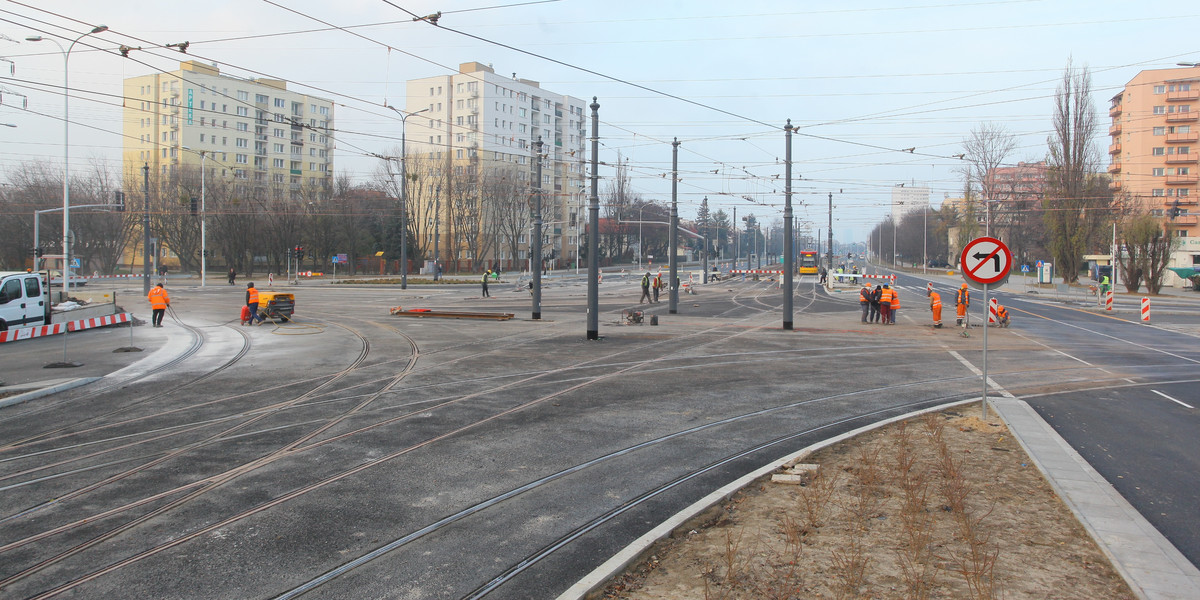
<point>941,506</point>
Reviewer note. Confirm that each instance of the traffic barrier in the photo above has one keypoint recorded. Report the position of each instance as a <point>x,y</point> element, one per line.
<point>993,312</point>
<point>1108,300</point>
<point>107,276</point>
<point>1145,309</point>
<point>25,333</point>
<point>755,272</point>
<point>600,278</point>
<point>270,279</point>
<point>81,324</point>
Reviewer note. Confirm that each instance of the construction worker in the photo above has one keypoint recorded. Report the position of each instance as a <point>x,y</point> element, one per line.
<point>962,301</point>
<point>1001,315</point>
<point>1105,285</point>
<point>645,288</point>
<point>875,308</point>
<point>864,301</point>
<point>657,285</point>
<point>895,305</point>
<point>885,304</point>
<point>252,303</point>
<point>484,282</point>
<point>935,306</point>
<point>159,301</point>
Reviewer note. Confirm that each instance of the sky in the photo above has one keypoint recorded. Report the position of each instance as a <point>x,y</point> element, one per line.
<point>863,82</point>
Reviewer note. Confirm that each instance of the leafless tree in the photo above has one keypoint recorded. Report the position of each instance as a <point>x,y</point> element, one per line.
<point>1077,198</point>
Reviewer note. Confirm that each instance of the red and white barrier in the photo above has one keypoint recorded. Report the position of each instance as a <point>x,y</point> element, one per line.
<point>25,333</point>
<point>93,322</point>
<point>891,278</point>
<point>755,272</point>
<point>1145,309</point>
<point>993,312</point>
<point>1108,300</point>
<point>90,277</point>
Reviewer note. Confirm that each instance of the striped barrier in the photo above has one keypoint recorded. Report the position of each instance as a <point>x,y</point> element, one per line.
<point>90,277</point>
<point>25,333</point>
<point>1145,309</point>
<point>993,312</point>
<point>755,272</point>
<point>1108,300</point>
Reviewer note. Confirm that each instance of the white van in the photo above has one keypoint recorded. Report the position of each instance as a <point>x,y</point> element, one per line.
<point>24,300</point>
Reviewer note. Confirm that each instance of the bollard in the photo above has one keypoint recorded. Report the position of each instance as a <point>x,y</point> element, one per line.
<point>993,313</point>
<point>1145,309</point>
<point>1108,300</point>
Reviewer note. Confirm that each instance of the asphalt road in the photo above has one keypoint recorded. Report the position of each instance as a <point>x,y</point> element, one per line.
<point>353,454</point>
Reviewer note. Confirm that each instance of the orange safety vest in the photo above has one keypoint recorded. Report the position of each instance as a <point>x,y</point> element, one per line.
<point>1002,313</point>
<point>886,296</point>
<point>252,296</point>
<point>935,301</point>
<point>962,297</point>
<point>158,298</point>
<point>864,295</point>
<point>895,299</point>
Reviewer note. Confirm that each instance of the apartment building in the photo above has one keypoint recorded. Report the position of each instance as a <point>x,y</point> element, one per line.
<point>908,198</point>
<point>267,142</point>
<point>1154,151</point>
<point>474,125</point>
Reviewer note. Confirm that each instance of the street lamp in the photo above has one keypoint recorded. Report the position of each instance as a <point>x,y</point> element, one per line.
<point>404,197</point>
<point>203,219</point>
<point>66,149</point>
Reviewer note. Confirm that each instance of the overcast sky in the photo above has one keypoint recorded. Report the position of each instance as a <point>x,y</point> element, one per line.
<point>861,80</point>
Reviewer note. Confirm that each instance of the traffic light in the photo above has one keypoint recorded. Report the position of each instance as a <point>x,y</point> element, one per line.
<point>195,205</point>
<point>119,199</point>
<point>36,252</point>
<point>299,252</point>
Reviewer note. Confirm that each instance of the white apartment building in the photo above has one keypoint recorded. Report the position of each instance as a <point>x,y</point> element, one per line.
<point>474,121</point>
<point>269,143</point>
<point>907,198</point>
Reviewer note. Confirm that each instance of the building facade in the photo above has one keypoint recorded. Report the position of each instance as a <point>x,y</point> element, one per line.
<point>1154,133</point>
<point>907,198</point>
<point>474,128</point>
<point>267,142</point>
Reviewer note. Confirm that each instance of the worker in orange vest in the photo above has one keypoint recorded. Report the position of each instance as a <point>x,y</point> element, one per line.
<point>864,301</point>
<point>962,300</point>
<point>252,303</point>
<point>885,304</point>
<point>1001,315</point>
<point>935,306</point>
<point>895,305</point>
<point>159,301</point>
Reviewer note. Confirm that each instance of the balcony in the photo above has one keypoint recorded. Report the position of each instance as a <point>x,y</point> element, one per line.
<point>1182,117</point>
<point>1115,185</point>
<point>1186,219</point>
<point>1182,138</point>
<point>1183,201</point>
<point>1115,129</point>
<point>1115,110</point>
<point>1115,148</point>
<point>1182,179</point>
<point>1180,96</point>
<point>1181,159</point>
<point>1114,168</point>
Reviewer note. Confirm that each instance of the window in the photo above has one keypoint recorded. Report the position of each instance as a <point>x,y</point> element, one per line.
<point>1159,131</point>
<point>278,147</point>
<point>202,138</point>
<point>261,98</point>
<point>1158,172</point>
<point>1183,192</point>
<point>243,127</point>
<point>280,103</point>
<point>1160,151</point>
<point>1183,171</point>
<point>241,143</point>
<point>1160,110</point>
<point>277,163</point>
<point>240,159</point>
<point>1160,89</point>
<point>1158,192</point>
<point>242,95</point>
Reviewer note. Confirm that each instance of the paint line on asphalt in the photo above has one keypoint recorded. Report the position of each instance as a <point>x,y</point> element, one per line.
<point>1111,337</point>
<point>1181,403</point>
<point>992,384</point>
<point>1056,350</point>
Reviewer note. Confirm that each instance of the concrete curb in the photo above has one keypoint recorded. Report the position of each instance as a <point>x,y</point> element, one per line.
<point>628,555</point>
<point>52,387</point>
<point>1146,560</point>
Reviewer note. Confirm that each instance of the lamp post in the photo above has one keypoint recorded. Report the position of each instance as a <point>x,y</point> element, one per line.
<point>66,149</point>
<point>203,218</point>
<point>404,198</point>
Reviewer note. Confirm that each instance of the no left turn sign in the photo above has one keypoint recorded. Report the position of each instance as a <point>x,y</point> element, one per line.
<point>985,260</point>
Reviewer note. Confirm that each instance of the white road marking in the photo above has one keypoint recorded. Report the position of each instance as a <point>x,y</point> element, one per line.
<point>1184,404</point>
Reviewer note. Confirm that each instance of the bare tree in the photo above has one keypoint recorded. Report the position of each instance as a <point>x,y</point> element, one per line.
<point>1077,198</point>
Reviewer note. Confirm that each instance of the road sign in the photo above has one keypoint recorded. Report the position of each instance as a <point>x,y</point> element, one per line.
<point>1025,268</point>
<point>1040,264</point>
<point>985,260</point>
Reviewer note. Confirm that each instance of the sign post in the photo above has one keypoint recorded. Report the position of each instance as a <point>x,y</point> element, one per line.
<point>986,261</point>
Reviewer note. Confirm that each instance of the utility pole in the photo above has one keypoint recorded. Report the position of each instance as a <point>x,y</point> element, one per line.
<point>437,210</point>
<point>704,264</point>
<point>536,252</point>
<point>829,241</point>
<point>593,315</point>
<point>737,249</point>
<point>787,229</point>
<point>673,236</point>
<point>146,231</point>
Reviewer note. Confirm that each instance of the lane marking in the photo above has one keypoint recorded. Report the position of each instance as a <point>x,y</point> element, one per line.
<point>1111,337</point>
<point>992,384</point>
<point>1181,403</point>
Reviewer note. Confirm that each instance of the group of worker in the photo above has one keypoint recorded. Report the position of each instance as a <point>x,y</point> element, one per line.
<point>881,304</point>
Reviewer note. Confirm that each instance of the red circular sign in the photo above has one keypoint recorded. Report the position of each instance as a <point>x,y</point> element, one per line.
<point>985,260</point>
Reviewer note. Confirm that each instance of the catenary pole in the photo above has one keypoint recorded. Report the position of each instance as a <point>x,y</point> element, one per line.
<point>593,312</point>
<point>673,236</point>
<point>787,228</point>
<point>535,264</point>
<point>146,231</point>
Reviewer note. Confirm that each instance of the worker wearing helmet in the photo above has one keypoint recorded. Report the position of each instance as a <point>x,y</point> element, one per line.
<point>962,300</point>
<point>895,305</point>
<point>1001,315</point>
<point>885,304</point>
<point>252,303</point>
